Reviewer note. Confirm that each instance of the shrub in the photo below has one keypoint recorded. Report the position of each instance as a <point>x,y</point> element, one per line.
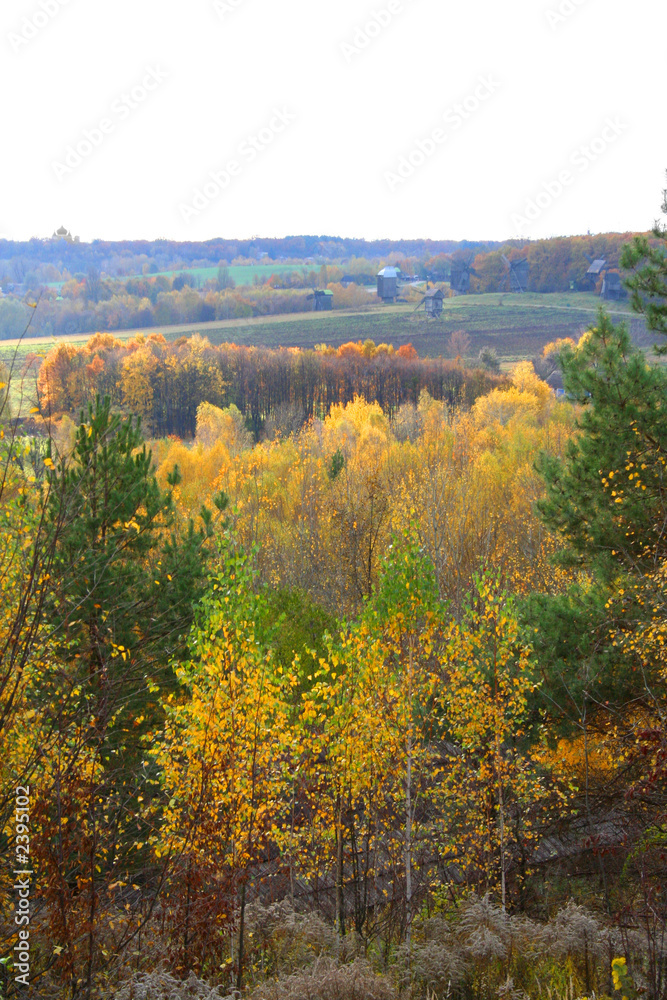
<point>327,981</point>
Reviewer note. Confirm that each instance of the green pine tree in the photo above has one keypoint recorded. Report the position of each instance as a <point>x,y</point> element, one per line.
<point>123,590</point>
<point>606,497</point>
<point>125,583</point>
<point>648,284</point>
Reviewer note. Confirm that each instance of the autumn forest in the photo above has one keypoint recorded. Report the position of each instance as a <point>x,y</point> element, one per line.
<point>336,673</point>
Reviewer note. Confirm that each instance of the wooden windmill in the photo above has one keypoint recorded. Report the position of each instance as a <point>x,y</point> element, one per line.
<point>518,272</point>
<point>597,267</point>
<point>433,303</point>
<point>387,283</point>
<point>612,286</point>
<point>460,273</point>
<point>322,300</point>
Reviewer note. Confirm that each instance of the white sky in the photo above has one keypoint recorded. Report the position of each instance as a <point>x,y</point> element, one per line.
<point>355,114</point>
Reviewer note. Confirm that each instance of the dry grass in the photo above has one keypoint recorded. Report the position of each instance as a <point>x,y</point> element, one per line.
<point>327,981</point>
<point>161,986</point>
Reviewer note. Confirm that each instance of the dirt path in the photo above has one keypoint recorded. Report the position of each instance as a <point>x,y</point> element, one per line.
<point>171,332</point>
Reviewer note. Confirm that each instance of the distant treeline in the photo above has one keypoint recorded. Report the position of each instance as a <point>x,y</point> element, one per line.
<point>74,314</point>
<point>49,259</point>
<point>128,256</point>
<point>166,382</point>
<point>555,265</point>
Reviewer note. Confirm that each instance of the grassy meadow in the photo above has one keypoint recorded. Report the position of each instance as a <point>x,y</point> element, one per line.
<point>517,326</point>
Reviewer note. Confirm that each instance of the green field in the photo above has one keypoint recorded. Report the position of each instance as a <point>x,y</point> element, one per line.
<point>243,274</point>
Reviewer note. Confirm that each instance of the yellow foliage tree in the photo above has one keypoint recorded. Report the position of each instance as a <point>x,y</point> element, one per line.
<point>494,798</point>
<point>223,758</point>
<point>226,426</point>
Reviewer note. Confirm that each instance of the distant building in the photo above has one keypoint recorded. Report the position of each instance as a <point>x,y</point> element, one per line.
<point>322,300</point>
<point>387,280</point>
<point>612,286</point>
<point>64,234</point>
<point>433,302</point>
<point>555,381</point>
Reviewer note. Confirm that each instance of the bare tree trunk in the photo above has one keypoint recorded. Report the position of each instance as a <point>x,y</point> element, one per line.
<point>501,809</point>
<point>408,849</point>
<point>291,850</point>
<point>186,930</point>
<point>501,799</point>
<point>92,909</point>
<point>408,823</point>
<point>589,817</point>
<point>340,899</point>
<point>239,978</point>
